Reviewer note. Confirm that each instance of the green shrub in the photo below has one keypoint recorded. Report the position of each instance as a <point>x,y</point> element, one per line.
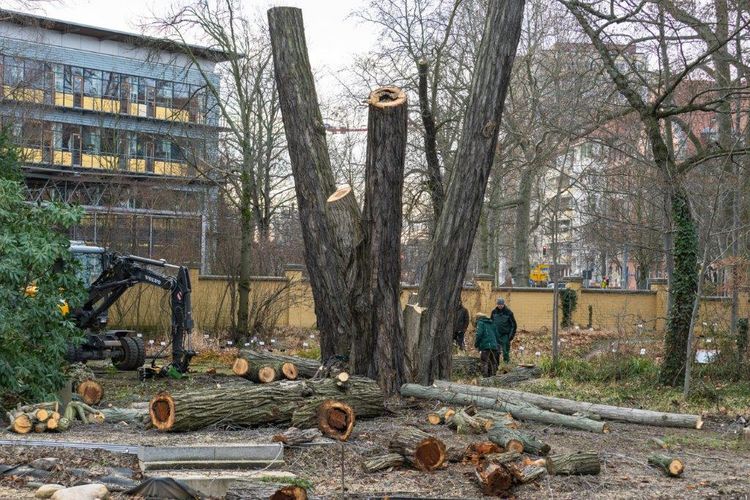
<point>34,334</point>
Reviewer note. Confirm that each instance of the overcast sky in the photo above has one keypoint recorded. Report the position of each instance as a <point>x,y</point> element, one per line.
<point>333,37</point>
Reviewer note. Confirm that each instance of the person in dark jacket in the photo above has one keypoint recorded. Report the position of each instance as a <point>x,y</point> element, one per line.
<point>460,323</point>
<point>485,340</point>
<point>505,327</point>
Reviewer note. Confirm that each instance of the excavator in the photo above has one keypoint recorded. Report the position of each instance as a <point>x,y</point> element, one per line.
<point>108,275</point>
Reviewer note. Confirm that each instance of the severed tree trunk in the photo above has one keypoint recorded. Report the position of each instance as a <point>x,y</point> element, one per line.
<point>382,462</point>
<point>306,368</point>
<point>336,419</point>
<point>22,424</point>
<point>579,463</point>
<point>466,424</point>
<point>379,351</point>
<point>255,371</point>
<point>90,391</point>
<point>419,449</point>
<point>247,406</point>
<point>569,406</point>
<point>313,180</point>
<point>671,466</point>
<point>441,416</point>
<point>521,412</point>
<point>456,228</point>
<point>494,479</point>
<point>529,444</point>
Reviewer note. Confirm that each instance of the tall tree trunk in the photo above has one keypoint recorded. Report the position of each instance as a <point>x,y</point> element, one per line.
<point>434,176</point>
<point>521,231</point>
<point>384,179</point>
<point>314,181</point>
<point>682,289</point>
<point>246,248</point>
<point>455,231</point>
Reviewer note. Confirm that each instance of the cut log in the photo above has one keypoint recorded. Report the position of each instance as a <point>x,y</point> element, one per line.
<point>494,479</point>
<point>294,436</point>
<point>455,453</point>
<point>336,419</point>
<point>63,424</point>
<point>529,444</point>
<point>90,391</point>
<point>528,473</point>
<point>41,415</point>
<point>516,375</point>
<point>671,466</point>
<point>497,418</point>
<point>522,411</point>
<point>466,424</point>
<point>569,406</point>
<point>342,379</point>
<point>256,371</point>
<point>275,403</point>
<point>135,416</point>
<point>306,368</point>
<point>22,424</point>
<point>476,452</point>
<point>580,463</point>
<point>419,449</point>
<point>288,370</point>
<point>40,427</point>
<point>507,438</point>
<point>503,458</point>
<point>383,462</point>
<point>290,492</point>
<point>441,416</point>
<point>52,423</point>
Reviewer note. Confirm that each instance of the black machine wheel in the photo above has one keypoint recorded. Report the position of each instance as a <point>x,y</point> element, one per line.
<point>133,354</point>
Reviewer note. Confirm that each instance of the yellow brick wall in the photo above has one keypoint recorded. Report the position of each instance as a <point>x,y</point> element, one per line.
<point>148,307</point>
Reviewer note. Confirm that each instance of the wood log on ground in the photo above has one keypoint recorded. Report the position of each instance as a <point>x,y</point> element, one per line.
<point>420,450</point>
<point>658,442</point>
<point>466,424</point>
<point>569,406</point>
<point>476,452</point>
<point>494,479</point>
<point>342,379</point>
<point>306,368</point>
<point>259,372</point>
<point>507,438</point>
<point>455,452</point>
<point>528,473</point>
<point>290,492</point>
<point>522,411</point>
<point>516,375</point>
<point>275,403</point>
<point>441,416</point>
<point>466,366</point>
<point>671,466</point>
<point>294,436</point>
<point>52,423</point>
<point>580,463</point>
<point>242,490</point>
<point>529,443</point>
<point>497,418</point>
<point>63,424</point>
<point>383,462</point>
<point>134,416</point>
<point>22,424</point>
<point>287,370</point>
<point>90,391</point>
<point>40,427</point>
<point>41,415</point>
<point>336,419</point>
<point>505,457</point>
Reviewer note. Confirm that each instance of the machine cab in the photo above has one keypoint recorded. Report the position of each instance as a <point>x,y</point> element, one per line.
<point>90,260</point>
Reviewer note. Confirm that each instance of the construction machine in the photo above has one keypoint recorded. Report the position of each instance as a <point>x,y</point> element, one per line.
<point>108,275</point>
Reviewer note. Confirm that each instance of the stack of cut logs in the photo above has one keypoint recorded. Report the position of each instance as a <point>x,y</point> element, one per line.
<point>43,417</point>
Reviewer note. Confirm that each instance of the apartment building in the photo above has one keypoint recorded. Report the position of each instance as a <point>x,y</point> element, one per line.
<point>120,124</point>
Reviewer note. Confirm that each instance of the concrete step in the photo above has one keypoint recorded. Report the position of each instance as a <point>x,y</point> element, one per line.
<point>211,464</point>
<point>218,456</point>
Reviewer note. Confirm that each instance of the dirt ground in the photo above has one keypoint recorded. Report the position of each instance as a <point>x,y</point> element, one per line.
<point>716,463</point>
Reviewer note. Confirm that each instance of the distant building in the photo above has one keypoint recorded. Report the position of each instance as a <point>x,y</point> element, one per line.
<point>118,123</point>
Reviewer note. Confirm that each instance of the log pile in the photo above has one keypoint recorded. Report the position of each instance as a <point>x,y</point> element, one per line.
<point>42,417</point>
<point>296,402</point>
<point>306,368</point>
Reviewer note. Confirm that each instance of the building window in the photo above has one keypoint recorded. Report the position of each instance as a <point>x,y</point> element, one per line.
<point>31,134</point>
<point>110,85</point>
<point>71,136</point>
<point>91,139</point>
<point>92,83</point>
<point>13,71</point>
<point>181,95</point>
<point>164,94</point>
<point>109,140</point>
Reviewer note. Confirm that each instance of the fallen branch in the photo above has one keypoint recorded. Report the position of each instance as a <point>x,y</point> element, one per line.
<point>569,406</point>
<point>522,411</point>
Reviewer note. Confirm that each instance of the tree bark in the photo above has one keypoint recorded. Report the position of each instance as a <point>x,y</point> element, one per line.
<point>313,179</point>
<point>521,229</point>
<point>247,406</point>
<point>246,248</point>
<point>466,424</point>
<point>384,178</point>
<point>306,368</point>
<point>456,228</point>
<point>579,463</point>
<point>569,406</point>
<point>419,449</point>
<point>336,419</point>
<point>494,479</point>
<point>294,436</point>
<point>518,374</point>
<point>507,438</point>
<point>434,175</point>
<point>383,462</point>
<point>529,444</point>
<point>255,371</point>
<point>671,466</point>
<point>90,391</point>
<point>521,412</point>
<point>441,416</point>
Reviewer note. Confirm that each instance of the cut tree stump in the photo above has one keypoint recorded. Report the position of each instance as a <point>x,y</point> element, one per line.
<point>522,411</point>
<point>306,368</point>
<point>494,479</point>
<point>421,450</point>
<point>580,463</point>
<point>90,391</point>
<point>256,371</point>
<point>294,436</point>
<point>529,444</point>
<point>671,466</point>
<point>569,406</point>
<point>336,419</point>
<point>383,462</point>
<point>441,416</point>
<point>252,405</point>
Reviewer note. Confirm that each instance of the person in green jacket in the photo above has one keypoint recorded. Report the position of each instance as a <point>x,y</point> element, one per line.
<point>485,340</point>
<point>505,324</point>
